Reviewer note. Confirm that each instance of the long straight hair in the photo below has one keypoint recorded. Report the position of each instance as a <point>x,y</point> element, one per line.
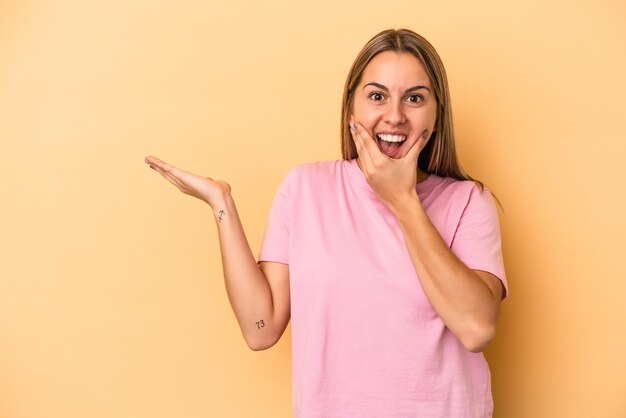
<point>439,156</point>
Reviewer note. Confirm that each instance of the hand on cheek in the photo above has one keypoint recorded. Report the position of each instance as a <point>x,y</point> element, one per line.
<point>391,179</point>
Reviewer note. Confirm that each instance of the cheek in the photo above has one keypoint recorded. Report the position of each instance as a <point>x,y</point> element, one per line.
<point>432,115</point>
<point>365,115</point>
<point>425,118</point>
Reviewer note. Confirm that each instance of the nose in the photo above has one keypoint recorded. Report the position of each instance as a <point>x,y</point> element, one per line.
<point>394,114</point>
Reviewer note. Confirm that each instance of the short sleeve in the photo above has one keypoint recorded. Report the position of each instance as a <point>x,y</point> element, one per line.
<point>275,244</point>
<point>477,241</point>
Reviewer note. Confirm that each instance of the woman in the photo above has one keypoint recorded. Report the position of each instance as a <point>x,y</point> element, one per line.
<point>388,262</point>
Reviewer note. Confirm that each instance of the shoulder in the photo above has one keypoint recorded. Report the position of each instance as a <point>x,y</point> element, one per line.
<point>317,167</point>
<point>309,176</point>
<point>460,189</point>
<point>315,171</point>
<point>461,195</point>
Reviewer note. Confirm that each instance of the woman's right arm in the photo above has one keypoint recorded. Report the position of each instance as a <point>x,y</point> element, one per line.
<point>258,293</point>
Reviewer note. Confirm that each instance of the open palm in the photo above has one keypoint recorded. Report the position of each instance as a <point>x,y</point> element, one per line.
<point>203,188</point>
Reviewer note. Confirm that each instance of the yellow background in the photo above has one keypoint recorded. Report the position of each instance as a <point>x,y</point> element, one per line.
<point>112,302</point>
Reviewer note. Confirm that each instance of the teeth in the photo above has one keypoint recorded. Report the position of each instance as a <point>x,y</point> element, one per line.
<point>391,138</point>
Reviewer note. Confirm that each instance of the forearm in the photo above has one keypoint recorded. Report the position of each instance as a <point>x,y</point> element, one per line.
<point>463,301</point>
<point>248,289</point>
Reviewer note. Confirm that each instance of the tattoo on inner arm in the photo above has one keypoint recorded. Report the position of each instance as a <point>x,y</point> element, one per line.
<point>221,212</point>
<point>260,324</point>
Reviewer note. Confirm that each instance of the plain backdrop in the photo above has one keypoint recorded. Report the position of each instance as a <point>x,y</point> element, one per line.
<point>112,301</point>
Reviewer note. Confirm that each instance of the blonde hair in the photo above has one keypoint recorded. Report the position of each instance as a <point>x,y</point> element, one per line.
<point>439,156</point>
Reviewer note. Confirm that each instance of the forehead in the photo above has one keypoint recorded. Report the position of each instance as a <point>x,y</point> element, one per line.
<point>393,69</point>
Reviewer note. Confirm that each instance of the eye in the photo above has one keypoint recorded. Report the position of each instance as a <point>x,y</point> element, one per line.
<point>376,96</point>
<point>415,98</point>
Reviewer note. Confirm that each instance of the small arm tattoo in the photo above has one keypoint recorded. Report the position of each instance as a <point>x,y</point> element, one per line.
<point>260,324</point>
<point>221,212</point>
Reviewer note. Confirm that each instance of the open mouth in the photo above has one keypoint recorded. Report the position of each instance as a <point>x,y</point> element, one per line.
<point>390,145</point>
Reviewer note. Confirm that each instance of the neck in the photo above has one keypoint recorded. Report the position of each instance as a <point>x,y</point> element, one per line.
<point>421,175</point>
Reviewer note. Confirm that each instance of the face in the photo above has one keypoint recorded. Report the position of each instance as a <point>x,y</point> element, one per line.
<point>395,101</point>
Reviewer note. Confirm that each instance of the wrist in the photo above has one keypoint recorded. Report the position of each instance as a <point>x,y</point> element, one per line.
<point>222,205</point>
<point>220,199</point>
<point>405,204</point>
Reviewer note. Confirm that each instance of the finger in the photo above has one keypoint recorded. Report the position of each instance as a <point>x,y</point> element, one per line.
<point>362,150</point>
<point>171,178</point>
<point>151,160</point>
<point>357,140</point>
<point>176,182</point>
<point>409,146</point>
<point>412,154</point>
<point>368,142</point>
<point>163,165</point>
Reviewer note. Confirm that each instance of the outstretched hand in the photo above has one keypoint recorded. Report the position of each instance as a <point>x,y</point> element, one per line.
<point>203,188</point>
<point>392,179</point>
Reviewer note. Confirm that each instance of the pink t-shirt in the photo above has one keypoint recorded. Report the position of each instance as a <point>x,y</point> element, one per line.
<point>366,342</point>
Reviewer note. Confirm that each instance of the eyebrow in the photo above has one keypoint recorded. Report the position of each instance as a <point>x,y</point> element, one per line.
<point>380,86</point>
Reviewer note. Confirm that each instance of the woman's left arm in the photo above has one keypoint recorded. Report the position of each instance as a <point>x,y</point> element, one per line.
<point>468,301</point>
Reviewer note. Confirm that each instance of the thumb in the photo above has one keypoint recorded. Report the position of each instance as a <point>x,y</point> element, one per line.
<point>413,154</point>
